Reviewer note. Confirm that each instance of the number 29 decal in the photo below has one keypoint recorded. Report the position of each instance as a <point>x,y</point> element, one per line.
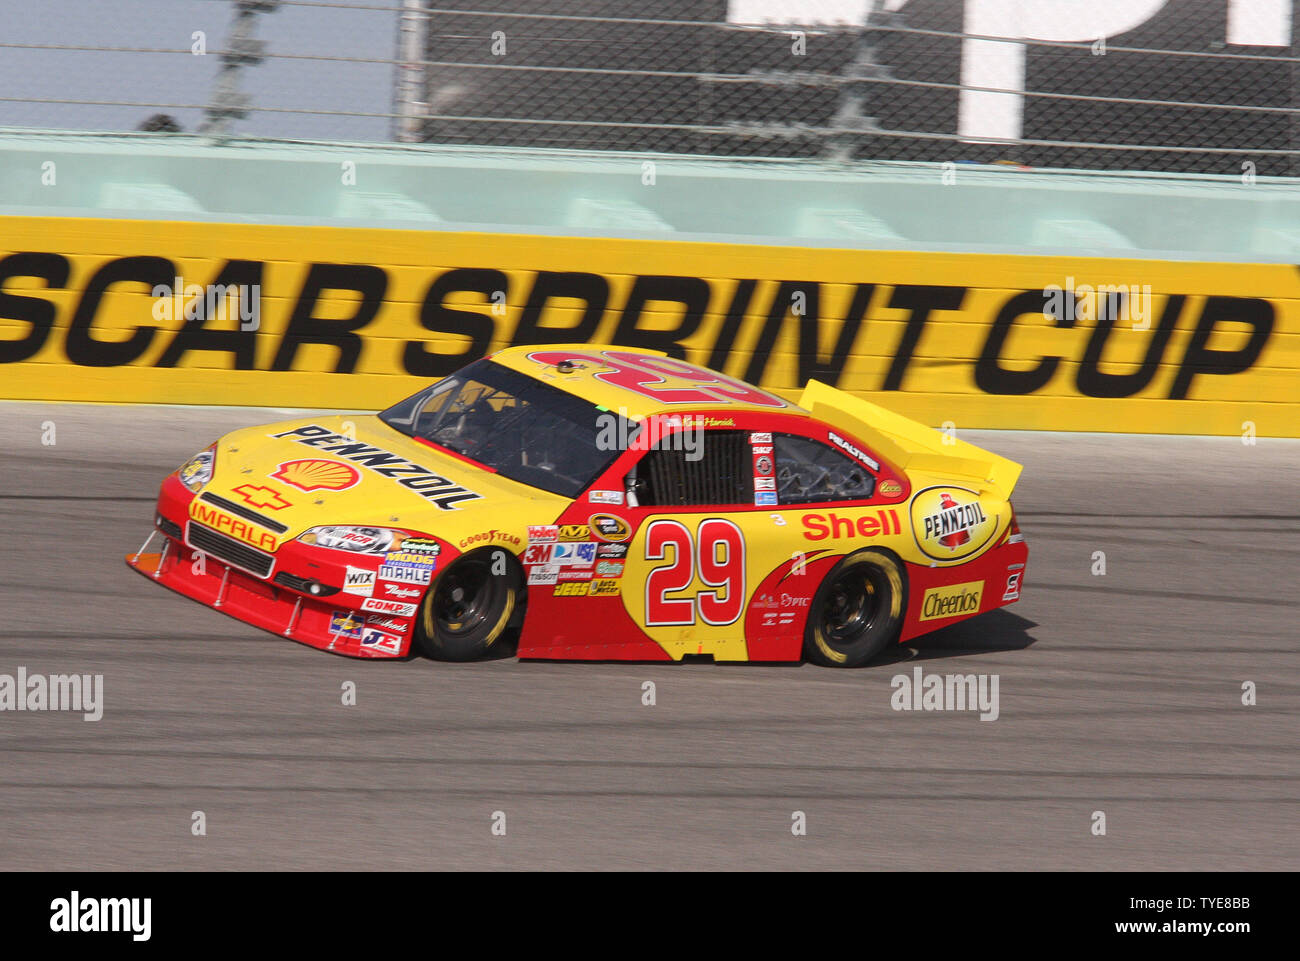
<point>718,556</point>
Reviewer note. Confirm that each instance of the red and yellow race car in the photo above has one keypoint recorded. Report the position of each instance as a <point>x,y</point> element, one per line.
<point>587,503</point>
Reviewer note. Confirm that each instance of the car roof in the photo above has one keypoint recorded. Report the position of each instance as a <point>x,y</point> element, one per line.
<point>585,379</point>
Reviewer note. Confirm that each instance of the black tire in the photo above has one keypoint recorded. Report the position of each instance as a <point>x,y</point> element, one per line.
<point>471,612</point>
<point>857,611</point>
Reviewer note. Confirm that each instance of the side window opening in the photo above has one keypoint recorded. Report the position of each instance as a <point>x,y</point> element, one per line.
<point>719,472</point>
<point>808,472</point>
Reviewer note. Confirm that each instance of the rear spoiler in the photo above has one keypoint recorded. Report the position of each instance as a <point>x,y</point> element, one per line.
<point>908,444</point>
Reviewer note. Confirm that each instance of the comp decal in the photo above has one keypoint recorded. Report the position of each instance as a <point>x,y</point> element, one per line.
<point>440,491</point>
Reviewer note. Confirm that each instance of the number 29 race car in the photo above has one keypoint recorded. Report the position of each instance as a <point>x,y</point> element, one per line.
<point>594,504</point>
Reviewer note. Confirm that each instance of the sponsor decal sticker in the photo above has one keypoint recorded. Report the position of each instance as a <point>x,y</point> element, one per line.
<point>611,550</point>
<point>607,527</point>
<point>232,526</point>
<point>381,606</point>
<point>381,641</point>
<point>318,475</point>
<point>491,537</point>
<point>889,488</point>
<point>872,523</point>
<point>406,573</point>
<point>1012,593</point>
<point>442,492</point>
<point>603,588</point>
<point>765,498</point>
<point>764,483</point>
<point>950,523</point>
<point>760,438</point>
<point>575,555</point>
<point>386,623</point>
<point>544,534</point>
<point>359,581</point>
<point>953,601</point>
<point>575,532</point>
<point>571,589</point>
<point>609,568</point>
<point>543,574</point>
<point>573,574</point>
<point>262,497</point>
<point>393,590</point>
<point>855,452</point>
<point>538,554</point>
<point>606,497</point>
<point>421,545</point>
<point>346,624</point>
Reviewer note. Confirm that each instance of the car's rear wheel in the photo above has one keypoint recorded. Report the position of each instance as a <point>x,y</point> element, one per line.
<point>473,609</point>
<point>857,611</point>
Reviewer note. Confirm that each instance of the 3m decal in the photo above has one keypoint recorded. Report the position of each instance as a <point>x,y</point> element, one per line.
<point>538,554</point>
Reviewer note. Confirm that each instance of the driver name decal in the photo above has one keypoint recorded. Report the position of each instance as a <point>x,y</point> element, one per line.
<point>435,488</point>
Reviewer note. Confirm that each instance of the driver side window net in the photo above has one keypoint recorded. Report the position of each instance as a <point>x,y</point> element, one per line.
<point>808,471</point>
<point>719,471</point>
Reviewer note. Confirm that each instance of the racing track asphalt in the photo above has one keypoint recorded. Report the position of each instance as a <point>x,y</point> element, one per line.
<point>1118,693</point>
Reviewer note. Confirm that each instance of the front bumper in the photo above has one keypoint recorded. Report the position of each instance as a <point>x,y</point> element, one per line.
<point>330,624</point>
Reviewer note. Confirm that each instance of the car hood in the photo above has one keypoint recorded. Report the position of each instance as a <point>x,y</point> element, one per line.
<point>356,470</point>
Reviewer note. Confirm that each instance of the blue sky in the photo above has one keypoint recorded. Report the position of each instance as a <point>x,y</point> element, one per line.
<point>187,79</point>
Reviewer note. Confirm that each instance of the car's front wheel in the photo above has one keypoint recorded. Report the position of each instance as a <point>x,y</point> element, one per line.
<point>858,610</point>
<point>472,610</point>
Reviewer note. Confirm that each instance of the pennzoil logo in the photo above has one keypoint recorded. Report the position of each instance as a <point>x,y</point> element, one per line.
<point>318,475</point>
<point>443,492</point>
<point>607,527</point>
<point>232,527</point>
<point>950,523</point>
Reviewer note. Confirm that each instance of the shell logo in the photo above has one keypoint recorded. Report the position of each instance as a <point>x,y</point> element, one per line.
<point>318,475</point>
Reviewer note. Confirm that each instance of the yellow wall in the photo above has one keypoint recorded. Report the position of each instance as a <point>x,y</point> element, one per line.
<point>1207,319</point>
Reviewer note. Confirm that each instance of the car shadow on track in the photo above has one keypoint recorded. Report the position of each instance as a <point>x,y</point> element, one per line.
<point>990,633</point>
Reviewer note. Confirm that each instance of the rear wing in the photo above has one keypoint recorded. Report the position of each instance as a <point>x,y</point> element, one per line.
<point>908,444</point>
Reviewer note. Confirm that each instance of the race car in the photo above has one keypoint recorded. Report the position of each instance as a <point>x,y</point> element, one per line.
<point>578,502</point>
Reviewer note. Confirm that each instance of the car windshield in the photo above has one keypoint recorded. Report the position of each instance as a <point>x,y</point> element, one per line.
<point>522,428</point>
